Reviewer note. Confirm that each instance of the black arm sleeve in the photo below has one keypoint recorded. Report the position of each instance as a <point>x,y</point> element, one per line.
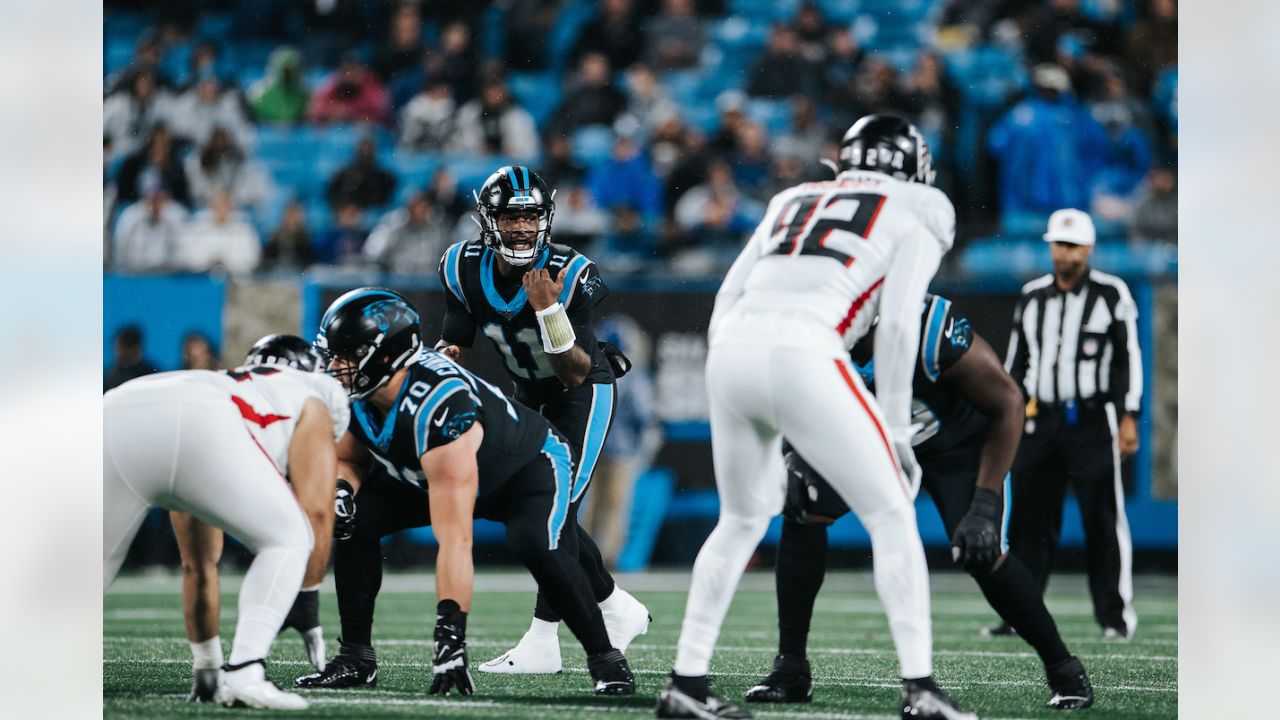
<point>458,328</point>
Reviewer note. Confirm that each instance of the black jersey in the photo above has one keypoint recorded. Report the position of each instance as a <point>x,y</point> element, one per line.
<point>947,419</point>
<point>477,296</point>
<point>438,402</point>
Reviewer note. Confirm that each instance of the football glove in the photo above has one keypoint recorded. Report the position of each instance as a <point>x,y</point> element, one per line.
<point>976,543</point>
<point>906,454</point>
<point>344,511</point>
<point>450,662</point>
<point>796,505</point>
<point>304,617</point>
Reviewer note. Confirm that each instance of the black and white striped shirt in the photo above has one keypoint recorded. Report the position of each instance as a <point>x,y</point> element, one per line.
<point>1077,345</point>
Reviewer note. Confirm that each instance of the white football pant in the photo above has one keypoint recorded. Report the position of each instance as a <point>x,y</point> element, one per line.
<point>188,449</point>
<point>760,393</point>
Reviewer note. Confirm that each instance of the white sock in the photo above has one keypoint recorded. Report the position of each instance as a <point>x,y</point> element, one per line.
<point>207,654</point>
<point>268,591</point>
<point>902,584</point>
<point>543,630</point>
<point>716,573</point>
<point>617,600</point>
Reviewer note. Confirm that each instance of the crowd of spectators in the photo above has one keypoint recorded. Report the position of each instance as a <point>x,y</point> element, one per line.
<point>645,178</point>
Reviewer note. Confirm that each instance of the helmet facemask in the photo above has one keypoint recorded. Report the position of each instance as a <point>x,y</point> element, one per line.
<point>517,248</point>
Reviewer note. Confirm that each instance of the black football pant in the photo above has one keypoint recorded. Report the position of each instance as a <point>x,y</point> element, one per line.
<point>583,417</point>
<point>1084,455</point>
<point>385,506</point>
<point>949,477</point>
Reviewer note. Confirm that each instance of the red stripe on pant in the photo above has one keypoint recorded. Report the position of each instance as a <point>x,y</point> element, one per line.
<point>893,459</point>
<point>855,306</point>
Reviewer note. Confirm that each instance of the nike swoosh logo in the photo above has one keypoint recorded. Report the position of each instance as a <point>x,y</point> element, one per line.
<point>440,422</point>
<point>950,325</point>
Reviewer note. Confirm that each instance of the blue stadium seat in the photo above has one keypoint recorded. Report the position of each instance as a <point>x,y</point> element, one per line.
<point>766,10</point>
<point>840,11</point>
<point>536,92</point>
<point>565,33</point>
<point>592,144</point>
<point>412,169</point>
<point>773,115</point>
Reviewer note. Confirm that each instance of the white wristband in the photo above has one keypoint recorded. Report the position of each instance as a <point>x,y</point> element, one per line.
<point>557,331</point>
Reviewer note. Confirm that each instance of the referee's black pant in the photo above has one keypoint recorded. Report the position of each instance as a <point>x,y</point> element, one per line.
<point>1058,450</point>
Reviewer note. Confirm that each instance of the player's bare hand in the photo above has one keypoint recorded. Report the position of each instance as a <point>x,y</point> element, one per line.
<point>453,352</point>
<point>542,290</point>
<point>1128,439</point>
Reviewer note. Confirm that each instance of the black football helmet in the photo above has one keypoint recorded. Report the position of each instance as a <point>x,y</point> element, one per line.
<point>288,350</point>
<point>515,188</point>
<point>375,329</point>
<point>887,144</point>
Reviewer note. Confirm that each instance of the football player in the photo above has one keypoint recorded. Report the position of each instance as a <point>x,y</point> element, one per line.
<point>533,300</point>
<point>457,449</point>
<point>825,260</point>
<point>970,415</point>
<point>250,451</point>
<point>200,546</point>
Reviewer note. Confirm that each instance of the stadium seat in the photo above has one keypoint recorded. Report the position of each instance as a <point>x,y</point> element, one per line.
<point>537,92</point>
<point>592,144</point>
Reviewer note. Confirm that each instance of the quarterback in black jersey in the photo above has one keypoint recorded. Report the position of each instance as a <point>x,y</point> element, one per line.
<point>445,434</point>
<point>533,300</point>
<point>969,416</point>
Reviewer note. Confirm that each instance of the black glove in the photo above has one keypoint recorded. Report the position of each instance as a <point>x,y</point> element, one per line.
<point>976,543</point>
<point>450,661</point>
<point>344,511</point>
<point>304,617</point>
<point>796,506</point>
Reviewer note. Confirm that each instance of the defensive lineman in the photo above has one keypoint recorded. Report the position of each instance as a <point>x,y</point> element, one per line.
<point>200,546</point>
<point>970,414</point>
<point>219,445</point>
<point>468,450</point>
<point>827,258</point>
<point>534,300</point>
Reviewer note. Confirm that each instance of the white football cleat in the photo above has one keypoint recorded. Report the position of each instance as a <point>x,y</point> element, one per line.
<point>248,686</point>
<point>537,653</point>
<point>625,618</point>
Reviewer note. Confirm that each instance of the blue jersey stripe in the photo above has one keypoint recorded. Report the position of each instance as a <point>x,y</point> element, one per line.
<point>1008,507</point>
<point>438,395</point>
<point>557,452</point>
<point>932,339</point>
<point>576,266</point>
<point>597,431</point>
<point>453,274</point>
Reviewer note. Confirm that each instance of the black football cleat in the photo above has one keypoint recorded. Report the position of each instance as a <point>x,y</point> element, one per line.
<point>1000,629</point>
<point>1070,684</point>
<point>355,666</point>
<point>204,685</point>
<point>611,673</point>
<point>921,702</point>
<point>788,682</point>
<point>676,703</point>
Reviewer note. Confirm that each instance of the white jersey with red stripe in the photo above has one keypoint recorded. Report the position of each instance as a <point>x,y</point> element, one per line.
<point>828,258</point>
<point>269,398</point>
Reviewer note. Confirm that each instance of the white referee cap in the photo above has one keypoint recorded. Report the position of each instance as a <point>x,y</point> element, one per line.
<point>1071,226</point>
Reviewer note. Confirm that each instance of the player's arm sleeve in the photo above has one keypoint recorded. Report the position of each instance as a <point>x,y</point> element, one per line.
<point>458,328</point>
<point>736,279</point>
<point>897,336</point>
<point>1126,364</point>
<point>1016,355</point>
<point>446,412</point>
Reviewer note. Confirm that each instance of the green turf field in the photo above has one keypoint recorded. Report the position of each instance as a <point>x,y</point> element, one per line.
<point>146,662</point>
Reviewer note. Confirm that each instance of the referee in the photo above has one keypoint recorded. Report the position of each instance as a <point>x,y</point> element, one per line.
<point>1074,351</point>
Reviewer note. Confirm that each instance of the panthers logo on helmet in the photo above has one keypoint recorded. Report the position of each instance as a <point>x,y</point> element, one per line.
<point>388,313</point>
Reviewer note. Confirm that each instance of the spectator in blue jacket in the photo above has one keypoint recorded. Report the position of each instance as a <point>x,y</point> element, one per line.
<point>1049,148</point>
<point>626,179</point>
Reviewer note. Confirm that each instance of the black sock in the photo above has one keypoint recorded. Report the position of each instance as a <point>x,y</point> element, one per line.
<point>802,562</point>
<point>924,683</point>
<point>357,576</point>
<point>696,687</point>
<point>1014,594</point>
<point>597,574</point>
